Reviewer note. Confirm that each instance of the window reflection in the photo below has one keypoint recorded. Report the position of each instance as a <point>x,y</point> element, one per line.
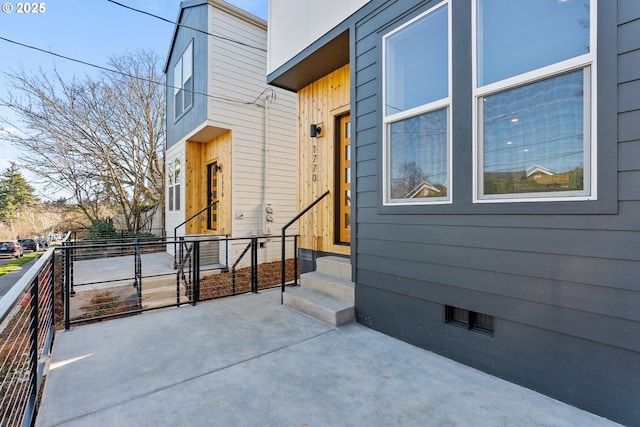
<point>413,79</point>
<point>534,137</point>
<point>515,37</point>
<point>418,156</point>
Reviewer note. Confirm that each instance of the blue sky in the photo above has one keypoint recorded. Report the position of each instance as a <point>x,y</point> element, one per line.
<point>88,30</point>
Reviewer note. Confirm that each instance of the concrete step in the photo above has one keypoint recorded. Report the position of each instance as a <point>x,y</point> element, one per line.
<point>334,265</point>
<point>158,282</point>
<point>330,285</point>
<point>162,293</point>
<point>166,302</point>
<point>329,310</point>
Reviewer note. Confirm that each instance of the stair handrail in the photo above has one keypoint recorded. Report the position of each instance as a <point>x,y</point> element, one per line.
<point>180,275</point>
<point>284,230</point>
<point>175,232</point>
<point>137,271</point>
<point>235,264</point>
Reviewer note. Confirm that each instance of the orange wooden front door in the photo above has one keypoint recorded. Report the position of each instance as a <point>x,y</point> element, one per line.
<point>343,187</point>
<point>212,196</point>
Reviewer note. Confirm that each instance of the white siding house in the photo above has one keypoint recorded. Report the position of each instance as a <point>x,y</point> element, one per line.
<point>235,137</point>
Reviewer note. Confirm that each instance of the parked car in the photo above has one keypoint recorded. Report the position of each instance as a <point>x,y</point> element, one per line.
<point>11,248</point>
<point>29,244</point>
<point>44,243</point>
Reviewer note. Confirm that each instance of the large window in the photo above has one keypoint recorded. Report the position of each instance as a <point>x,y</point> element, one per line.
<point>534,89</point>
<point>416,110</point>
<point>183,82</point>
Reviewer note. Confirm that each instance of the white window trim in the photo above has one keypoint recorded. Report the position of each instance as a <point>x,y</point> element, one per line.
<point>433,106</point>
<point>183,78</point>
<point>171,186</point>
<point>586,61</point>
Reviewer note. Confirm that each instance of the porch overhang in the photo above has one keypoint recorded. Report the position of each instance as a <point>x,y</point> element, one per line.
<point>325,55</point>
<point>206,132</point>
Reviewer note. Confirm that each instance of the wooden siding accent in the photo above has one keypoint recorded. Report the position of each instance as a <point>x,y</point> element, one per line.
<point>198,156</point>
<point>320,103</point>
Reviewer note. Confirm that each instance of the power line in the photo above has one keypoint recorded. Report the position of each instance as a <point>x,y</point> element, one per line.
<point>186,26</point>
<point>219,98</point>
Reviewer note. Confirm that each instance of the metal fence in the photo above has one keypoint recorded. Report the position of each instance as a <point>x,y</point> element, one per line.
<point>249,268</point>
<point>27,320</point>
<point>66,287</point>
<point>123,279</point>
<point>86,234</point>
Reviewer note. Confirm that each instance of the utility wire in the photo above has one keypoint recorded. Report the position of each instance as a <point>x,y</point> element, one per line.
<point>186,26</point>
<point>137,77</point>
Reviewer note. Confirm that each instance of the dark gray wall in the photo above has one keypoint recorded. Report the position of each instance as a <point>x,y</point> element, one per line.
<point>561,279</point>
<point>195,17</point>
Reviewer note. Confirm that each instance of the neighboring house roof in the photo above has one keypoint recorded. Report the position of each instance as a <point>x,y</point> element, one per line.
<point>219,4</point>
<point>538,169</point>
<point>421,189</point>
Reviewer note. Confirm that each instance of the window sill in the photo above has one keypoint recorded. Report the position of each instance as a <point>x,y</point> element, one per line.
<point>184,113</point>
<point>490,207</point>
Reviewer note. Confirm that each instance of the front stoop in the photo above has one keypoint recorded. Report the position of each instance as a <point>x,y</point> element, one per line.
<point>161,291</point>
<point>327,294</point>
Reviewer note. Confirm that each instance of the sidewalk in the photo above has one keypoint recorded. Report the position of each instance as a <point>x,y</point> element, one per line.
<point>12,277</point>
<point>119,268</point>
<point>246,361</point>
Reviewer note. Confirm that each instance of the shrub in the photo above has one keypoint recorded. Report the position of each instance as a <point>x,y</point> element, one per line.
<point>102,230</point>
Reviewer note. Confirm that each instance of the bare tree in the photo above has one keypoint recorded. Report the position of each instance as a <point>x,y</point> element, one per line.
<point>99,140</point>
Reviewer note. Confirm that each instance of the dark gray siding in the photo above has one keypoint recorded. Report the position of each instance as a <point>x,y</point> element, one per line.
<point>195,17</point>
<point>561,279</point>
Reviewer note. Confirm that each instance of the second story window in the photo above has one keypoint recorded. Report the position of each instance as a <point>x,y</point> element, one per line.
<point>183,82</point>
<point>535,100</point>
<point>417,110</point>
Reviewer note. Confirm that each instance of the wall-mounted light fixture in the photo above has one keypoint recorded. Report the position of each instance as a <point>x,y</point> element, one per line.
<point>314,130</point>
<point>217,168</point>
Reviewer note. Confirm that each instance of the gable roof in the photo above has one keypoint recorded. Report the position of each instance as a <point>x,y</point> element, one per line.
<point>424,185</point>
<point>537,168</point>
<point>218,4</point>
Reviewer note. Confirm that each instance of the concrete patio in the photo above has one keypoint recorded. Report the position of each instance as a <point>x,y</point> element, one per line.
<point>246,360</point>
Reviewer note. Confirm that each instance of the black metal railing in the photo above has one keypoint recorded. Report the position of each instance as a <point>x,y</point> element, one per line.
<point>28,310</point>
<point>184,274</point>
<point>283,272</point>
<point>210,268</point>
<point>235,264</point>
<point>176,261</point>
<point>242,277</point>
<point>137,271</point>
<point>27,321</point>
<point>124,236</point>
<point>93,290</point>
<point>67,261</point>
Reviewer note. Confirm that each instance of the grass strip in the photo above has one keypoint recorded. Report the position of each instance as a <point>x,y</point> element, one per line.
<point>16,263</point>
